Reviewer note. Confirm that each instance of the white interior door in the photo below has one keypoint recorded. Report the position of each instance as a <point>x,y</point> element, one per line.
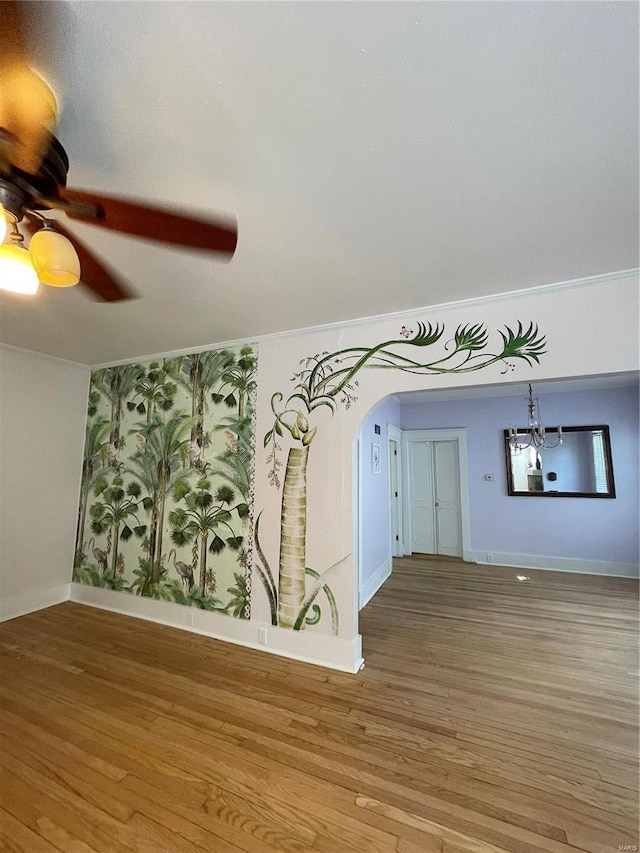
<point>422,497</point>
<point>447,498</point>
<point>434,497</point>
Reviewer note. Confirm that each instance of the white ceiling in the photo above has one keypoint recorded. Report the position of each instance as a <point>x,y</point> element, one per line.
<point>379,156</point>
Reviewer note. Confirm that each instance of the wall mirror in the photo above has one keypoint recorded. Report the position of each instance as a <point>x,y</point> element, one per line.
<point>580,467</point>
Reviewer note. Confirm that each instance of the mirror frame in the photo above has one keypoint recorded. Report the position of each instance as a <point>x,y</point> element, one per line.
<point>608,462</point>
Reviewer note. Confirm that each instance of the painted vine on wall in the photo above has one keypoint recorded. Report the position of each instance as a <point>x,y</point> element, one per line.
<point>325,381</point>
<point>166,490</point>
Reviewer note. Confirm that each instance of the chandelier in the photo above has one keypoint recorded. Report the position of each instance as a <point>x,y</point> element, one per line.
<point>536,434</point>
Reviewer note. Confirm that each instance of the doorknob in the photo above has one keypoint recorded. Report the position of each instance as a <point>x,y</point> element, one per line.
<point>437,504</point>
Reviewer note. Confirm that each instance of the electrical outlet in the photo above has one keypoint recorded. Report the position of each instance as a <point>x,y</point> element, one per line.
<point>489,558</point>
<point>262,636</point>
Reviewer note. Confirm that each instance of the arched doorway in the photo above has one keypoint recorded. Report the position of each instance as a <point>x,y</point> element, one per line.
<point>399,505</point>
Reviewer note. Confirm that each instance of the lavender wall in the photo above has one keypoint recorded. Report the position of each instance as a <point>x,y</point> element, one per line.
<point>375,530</point>
<point>584,528</point>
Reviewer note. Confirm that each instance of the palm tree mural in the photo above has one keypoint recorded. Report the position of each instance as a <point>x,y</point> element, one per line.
<point>94,462</point>
<point>91,576</point>
<point>240,597</point>
<point>117,384</point>
<point>143,467</point>
<point>157,467</point>
<point>146,581</point>
<point>149,424</point>
<point>235,463</point>
<point>154,391</point>
<point>199,373</point>
<point>113,514</point>
<point>206,514</point>
<point>238,382</point>
<point>326,380</point>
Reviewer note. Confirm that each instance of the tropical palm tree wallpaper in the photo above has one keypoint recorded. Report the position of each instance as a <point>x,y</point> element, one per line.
<point>167,476</point>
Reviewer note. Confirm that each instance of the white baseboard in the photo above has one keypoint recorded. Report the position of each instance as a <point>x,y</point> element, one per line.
<point>370,587</point>
<point>28,602</point>
<point>558,564</point>
<point>321,649</point>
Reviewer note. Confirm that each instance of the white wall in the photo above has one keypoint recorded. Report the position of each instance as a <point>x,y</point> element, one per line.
<point>578,342</point>
<point>43,403</point>
<point>375,521</point>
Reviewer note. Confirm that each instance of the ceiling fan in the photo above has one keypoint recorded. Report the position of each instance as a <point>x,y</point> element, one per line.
<point>33,178</point>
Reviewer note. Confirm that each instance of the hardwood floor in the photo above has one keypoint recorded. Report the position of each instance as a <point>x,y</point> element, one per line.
<point>492,715</point>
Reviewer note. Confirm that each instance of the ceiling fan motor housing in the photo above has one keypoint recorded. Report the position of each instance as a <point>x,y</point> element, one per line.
<point>13,199</point>
<point>20,190</point>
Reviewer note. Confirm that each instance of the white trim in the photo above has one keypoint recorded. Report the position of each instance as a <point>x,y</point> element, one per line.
<point>558,564</point>
<point>28,602</point>
<point>394,433</point>
<point>369,589</point>
<point>409,313</point>
<point>459,436</point>
<point>337,653</point>
<point>253,341</point>
<point>356,502</point>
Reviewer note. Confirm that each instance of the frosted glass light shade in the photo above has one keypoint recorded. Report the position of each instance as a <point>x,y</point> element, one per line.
<point>3,224</point>
<point>54,258</point>
<point>16,270</point>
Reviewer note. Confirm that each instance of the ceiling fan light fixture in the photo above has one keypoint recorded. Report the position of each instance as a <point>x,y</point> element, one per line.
<point>16,270</point>
<point>54,258</point>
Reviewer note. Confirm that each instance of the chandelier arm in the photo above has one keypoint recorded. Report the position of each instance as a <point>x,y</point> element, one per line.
<point>536,431</point>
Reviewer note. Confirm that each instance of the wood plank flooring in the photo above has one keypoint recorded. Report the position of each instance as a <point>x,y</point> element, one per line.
<point>492,715</point>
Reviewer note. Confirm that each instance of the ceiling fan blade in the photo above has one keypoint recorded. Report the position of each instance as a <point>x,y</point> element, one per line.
<point>28,108</point>
<point>102,281</point>
<point>155,223</point>
<point>94,273</point>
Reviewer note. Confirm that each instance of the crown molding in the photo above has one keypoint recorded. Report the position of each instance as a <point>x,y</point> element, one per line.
<point>406,314</point>
<point>24,351</point>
